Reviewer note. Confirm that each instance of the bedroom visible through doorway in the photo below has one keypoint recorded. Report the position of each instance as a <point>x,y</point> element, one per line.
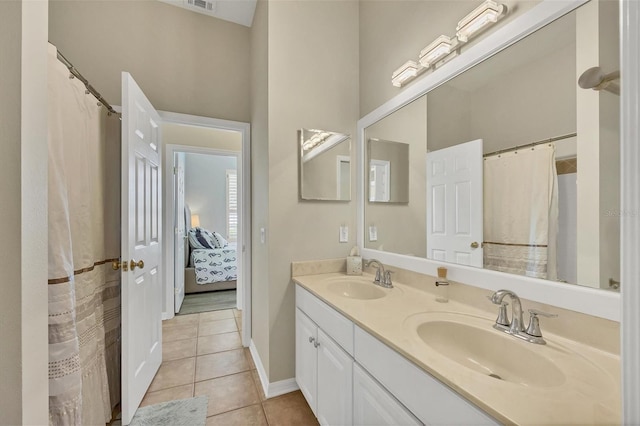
<point>206,217</point>
<point>209,209</point>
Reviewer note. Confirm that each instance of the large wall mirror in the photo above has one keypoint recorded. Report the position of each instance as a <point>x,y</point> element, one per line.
<point>325,165</point>
<point>513,166</point>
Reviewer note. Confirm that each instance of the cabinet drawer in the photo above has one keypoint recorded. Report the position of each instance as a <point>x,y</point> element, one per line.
<point>374,406</point>
<point>338,327</point>
<point>427,398</point>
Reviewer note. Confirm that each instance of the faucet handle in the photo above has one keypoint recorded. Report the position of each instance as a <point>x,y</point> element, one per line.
<point>387,278</point>
<point>503,319</point>
<point>534,322</point>
<point>536,312</point>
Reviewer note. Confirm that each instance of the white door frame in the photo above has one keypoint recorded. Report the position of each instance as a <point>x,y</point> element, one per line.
<point>244,206</point>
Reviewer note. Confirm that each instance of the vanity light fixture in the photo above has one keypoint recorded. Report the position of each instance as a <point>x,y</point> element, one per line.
<point>407,72</point>
<point>328,142</point>
<point>488,13</point>
<point>437,50</point>
<point>316,139</point>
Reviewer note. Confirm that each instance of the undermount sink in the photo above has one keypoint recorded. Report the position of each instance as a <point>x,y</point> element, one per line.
<point>472,343</point>
<point>356,288</point>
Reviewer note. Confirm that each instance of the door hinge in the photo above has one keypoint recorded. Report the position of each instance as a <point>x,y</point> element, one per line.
<point>175,170</point>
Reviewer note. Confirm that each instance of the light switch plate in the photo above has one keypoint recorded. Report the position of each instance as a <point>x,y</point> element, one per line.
<point>344,234</point>
<point>373,233</point>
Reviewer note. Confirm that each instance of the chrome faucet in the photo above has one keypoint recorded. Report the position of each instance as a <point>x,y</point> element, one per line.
<point>516,309</point>
<point>383,278</point>
<point>515,327</point>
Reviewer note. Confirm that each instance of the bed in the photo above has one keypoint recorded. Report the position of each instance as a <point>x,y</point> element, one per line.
<point>216,268</point>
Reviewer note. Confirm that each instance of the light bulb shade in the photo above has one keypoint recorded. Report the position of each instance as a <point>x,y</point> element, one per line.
<point>481,17</point>
<point>437,50</point>
<point>407,72</point>
<point>195,221</point>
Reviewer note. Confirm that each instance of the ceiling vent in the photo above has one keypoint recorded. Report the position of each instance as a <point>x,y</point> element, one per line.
<point>202,5</point>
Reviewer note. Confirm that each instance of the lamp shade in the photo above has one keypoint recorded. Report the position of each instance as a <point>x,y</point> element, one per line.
<point>195,221</point>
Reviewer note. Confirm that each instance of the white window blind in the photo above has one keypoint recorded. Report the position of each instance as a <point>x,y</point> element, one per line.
<point>232,205</point>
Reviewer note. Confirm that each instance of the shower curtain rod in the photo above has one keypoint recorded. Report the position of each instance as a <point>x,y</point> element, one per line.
<point>532,144</point>
<point>90,90</point>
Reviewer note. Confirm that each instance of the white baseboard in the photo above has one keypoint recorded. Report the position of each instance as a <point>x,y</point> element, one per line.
<point>271,389</point>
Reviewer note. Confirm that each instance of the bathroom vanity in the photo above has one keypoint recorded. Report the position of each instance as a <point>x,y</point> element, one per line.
<point>371,355</point>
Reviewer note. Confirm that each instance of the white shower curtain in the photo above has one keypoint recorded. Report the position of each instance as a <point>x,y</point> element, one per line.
<point>521,212</point>
<point>84,229</point>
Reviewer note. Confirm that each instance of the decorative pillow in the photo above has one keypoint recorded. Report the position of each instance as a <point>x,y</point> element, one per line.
<point>220,241</point>
<point>201,239</point>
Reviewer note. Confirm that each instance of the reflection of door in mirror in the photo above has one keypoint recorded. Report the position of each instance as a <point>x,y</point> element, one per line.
<point>379,175</point>
<point>524,96</point>
<point>454,204</point>
<point>344,177</point>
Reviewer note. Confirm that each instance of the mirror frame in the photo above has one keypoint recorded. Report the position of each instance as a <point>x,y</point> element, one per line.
<point>591,301</point>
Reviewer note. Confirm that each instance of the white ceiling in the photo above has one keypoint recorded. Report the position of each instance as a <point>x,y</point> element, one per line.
<point>238,11</point>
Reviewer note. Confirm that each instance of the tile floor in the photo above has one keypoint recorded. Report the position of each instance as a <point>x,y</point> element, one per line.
<point>203,355</point>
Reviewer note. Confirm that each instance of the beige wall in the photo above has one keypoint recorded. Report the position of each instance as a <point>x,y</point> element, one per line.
<point>392,32</point>
<point>184,61</point>
<point>201,137</point>
<point>23,214</point>
<point>312,83</point>
<point>259,182</point>
<point>507,107</point>
<point>402,227</point>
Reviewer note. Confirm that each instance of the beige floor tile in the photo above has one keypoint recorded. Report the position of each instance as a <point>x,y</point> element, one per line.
<point>171,394</point>
<point>217,327</point>
<point>289,409</point>
<point>228,393</point>
<point>219,343</point>
<point>174,373</point>
<point>221,364</point>
<point>179,332</point>
<point>216,315</point>
<point>178,349</point>
<point>247,416</point>
<point>236,313</point>
<point>181,320</point>
<point>239,322</point>
<point>247,353</point>
<point>256,380</point>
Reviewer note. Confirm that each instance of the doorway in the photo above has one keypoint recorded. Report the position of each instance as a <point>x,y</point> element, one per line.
<point>210,158</point>
<point>206,212</point>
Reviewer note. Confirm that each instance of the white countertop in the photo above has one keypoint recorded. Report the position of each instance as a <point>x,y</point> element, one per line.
<point>588,394</point>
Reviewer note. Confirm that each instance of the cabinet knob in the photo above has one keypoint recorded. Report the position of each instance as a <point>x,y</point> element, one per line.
<point>311,339</point>
<point>475,245</point>
<point>316,344</point>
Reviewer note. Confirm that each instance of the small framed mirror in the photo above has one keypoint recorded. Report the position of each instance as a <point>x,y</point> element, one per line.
<point>325,165</point>
<point>388,164</point>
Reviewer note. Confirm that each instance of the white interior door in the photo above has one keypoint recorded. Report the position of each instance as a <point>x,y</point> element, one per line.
<point>455,204</point>
<point>141,246</point>
<point>180,231</point>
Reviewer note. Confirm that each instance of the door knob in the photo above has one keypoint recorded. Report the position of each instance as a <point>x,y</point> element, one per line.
<point>475,245</point>
<point>116,264</point>
<point>133,264</point>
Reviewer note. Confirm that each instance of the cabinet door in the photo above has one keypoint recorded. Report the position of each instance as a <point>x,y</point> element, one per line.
<point>307,359</point>
<point>335,383</point>
<point>374,406</point>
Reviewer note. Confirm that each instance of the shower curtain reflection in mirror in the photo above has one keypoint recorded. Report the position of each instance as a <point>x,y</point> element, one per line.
<point>521,212</point>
